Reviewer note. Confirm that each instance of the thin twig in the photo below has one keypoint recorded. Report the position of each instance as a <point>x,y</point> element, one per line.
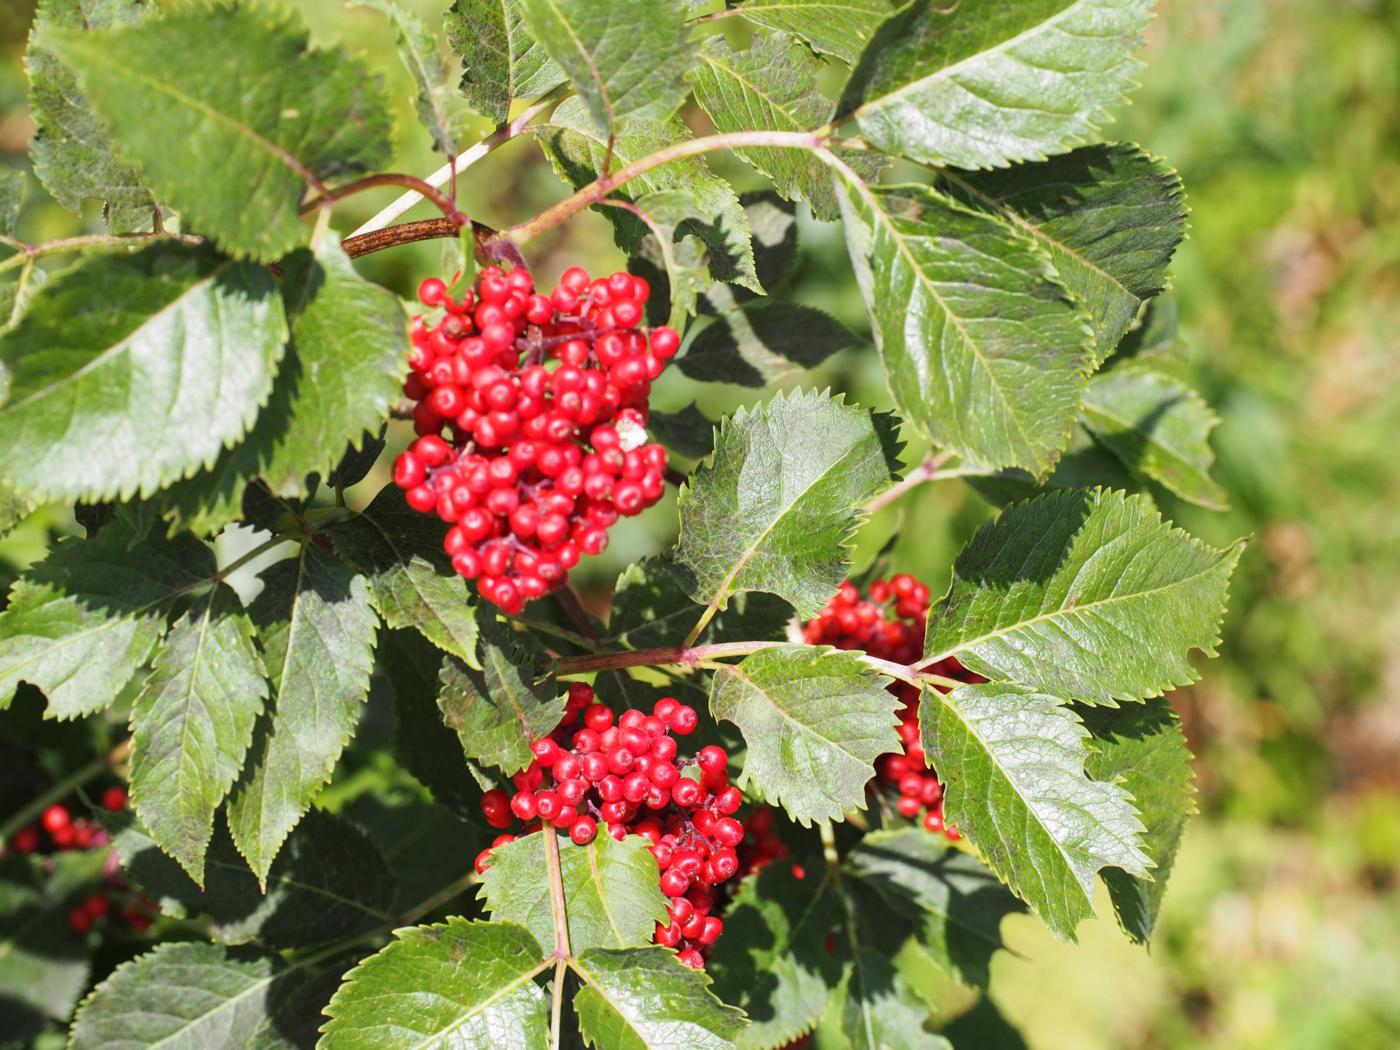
<point>925,471</point>
<point>91,240</point>
<point>561,931</point>
<point>440,200</point>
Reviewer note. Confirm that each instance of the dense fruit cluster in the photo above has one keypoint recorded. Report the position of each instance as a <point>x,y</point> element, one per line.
<point>889,624</point>
<point>623,774</point>
<point>544,403</point>
<point>58,831</point>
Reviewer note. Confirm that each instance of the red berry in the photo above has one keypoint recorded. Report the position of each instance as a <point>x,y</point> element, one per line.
<point>55,819</point>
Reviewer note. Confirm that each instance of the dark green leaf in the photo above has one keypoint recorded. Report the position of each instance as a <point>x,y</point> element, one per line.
<point>625,57</point>
<point>317,631</point>
<point>329,881</point>
<point>356,463</point>
<point>1158,427</point>
<point>1012,762</point>
<point>192,996</point>
<point>229,114</point>
<point>1084,464</point>
<point>647,999</point>
<point>500,62</point>
<point>759,342</point>
<point>11,200</point>
<point>439,108</point>
<point>459,985</point>
<point>833,27</point>
<point>1156,339</point>
<point>956,904</point>
<point>192,723</point>
<point>772,960</point>
<point>82,621</point>
<point>73,156</point>
<point>985,351</point>
<point>1110,216</point>
<point>689,431</point>
<point>981,83</point>
<point>880,1011</point>
<point>650,608</point>
<point>1086,595</point>
<point>497,712</point>
<point>612,891</point>
<point>1143,749</point>
<point>814,720</point>
<point>427,846</point>
<point>411,580</point>
<point>775,508</point>
<point>169,326</point>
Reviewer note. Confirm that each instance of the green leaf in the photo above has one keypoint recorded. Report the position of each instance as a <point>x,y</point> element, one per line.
<point>833,27</point>
<point>1143,749</point>
<point>1084,464</point>
<point>194,996</point>
<point>497,712</point>
<point>650,608</point>
<point>192,723</point>
<point>759,342</point>
<point>770,86</point>
<point>1085,595</point>
<point>707,206</point>
<point>612,891</point>
<point>772,961</point>
<point>81,622</point>
<point>329,881</point>
<point>981,84</point>
<point>439,108</point>
<point>73,156</point>
<point>411,580</point>
<point>229,114</point>
<point>647,999</point>
<point>459,985</point>
<point>1110,216</point>
<point>11,200</point>
<point>956,905</point>
<point>43,964</point>
<point>343,371</point>
<point>317,632</point>
<point>880,1011</point>
<point>775,508</point>
<point>428,847</point>
<point>1156,339</point>
<point>1012,762</point>
<point>689,431</point>
<point>625,57</point>
<point>500,61</point>
<point>814,720</point>
<point>171,326</point>
<point>984,1025</point>
<point>1156,426</point>
<point>985,351</point>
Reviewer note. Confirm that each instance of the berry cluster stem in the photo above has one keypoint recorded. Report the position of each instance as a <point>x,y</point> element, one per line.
<point>562,950</point>
<point>674,656</point>
<point>61,789</point>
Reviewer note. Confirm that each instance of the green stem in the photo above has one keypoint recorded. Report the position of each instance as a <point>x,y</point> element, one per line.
<point>62,788</point>
<point>678,656</point>
<point>926,471</point>
<point>92,240</point>
<point>438,899</point>
<point>562,950</point>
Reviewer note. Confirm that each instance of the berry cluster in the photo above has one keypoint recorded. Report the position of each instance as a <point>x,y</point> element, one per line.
<point>624,774</point>
<point>57,831</point>
<point>544,401</point>
<point>889,624</point>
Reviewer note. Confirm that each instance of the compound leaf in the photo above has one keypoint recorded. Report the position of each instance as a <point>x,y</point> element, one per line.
<point>329,881</point>
<point>192,723</point>
<point>772,961</point>
<point>773,510</point>
<point>317,631</point>
<point>612,892</point>
<point>1012,762</point>
<point>497,712</point>
<point>1111,217</point>
<point>814,720</point>
<point>500,60</point>
<point>1143,749</point>
<point>980,84</point>
<point>73,156</point>
<point>1158,427</point>
<point>229,113</point>
<point>411,580</point>
<point>185,995</point>
<point>833,27</point>
<point>1087,595</point>
<point>625,57</point>
<point>647,999</point>
<point>985,351</point>
<point>174,326</point>
<point>954,902</point>
<point>81,622</point>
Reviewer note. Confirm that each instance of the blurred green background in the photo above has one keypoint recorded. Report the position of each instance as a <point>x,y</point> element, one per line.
<point>1282,927</point>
